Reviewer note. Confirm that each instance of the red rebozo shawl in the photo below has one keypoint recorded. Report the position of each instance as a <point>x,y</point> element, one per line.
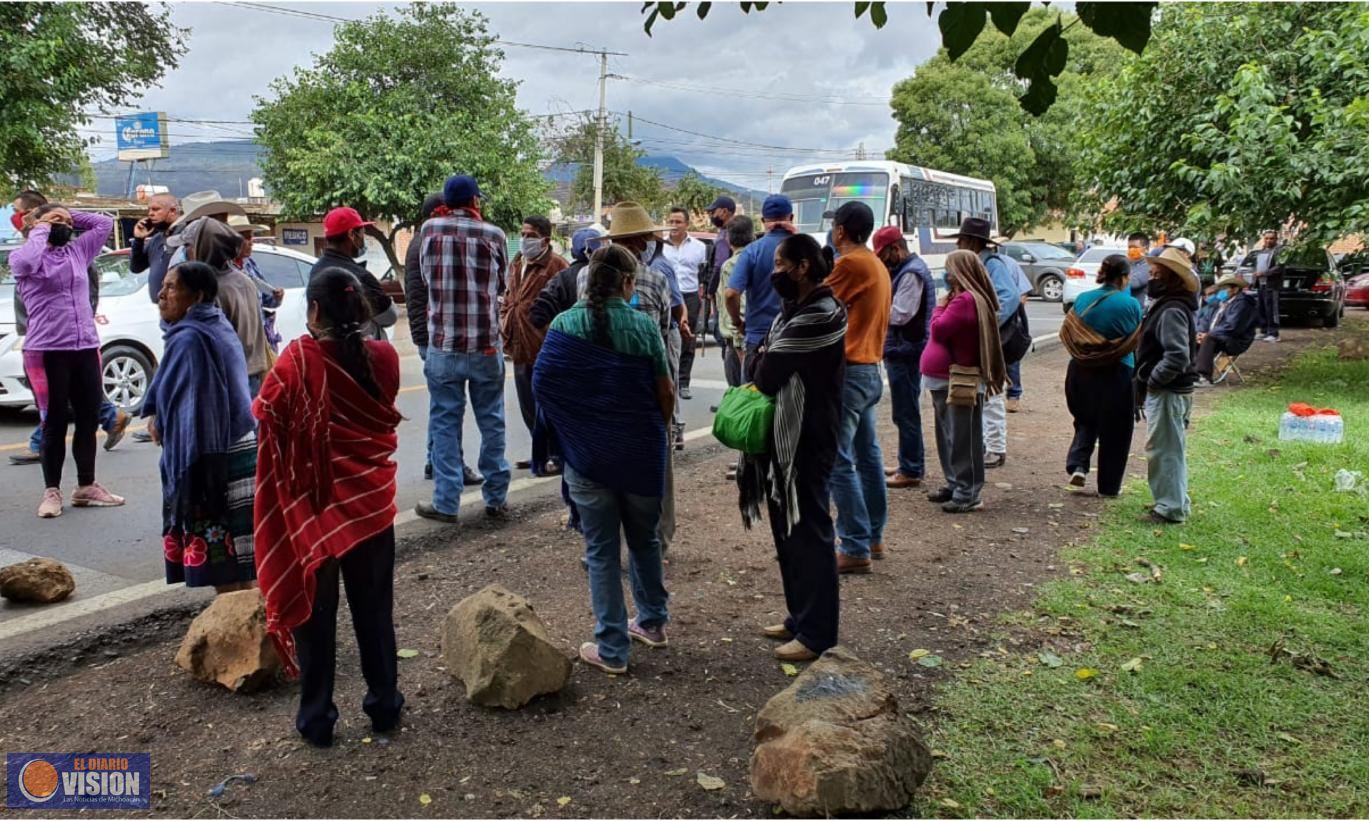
<point>325,480</point>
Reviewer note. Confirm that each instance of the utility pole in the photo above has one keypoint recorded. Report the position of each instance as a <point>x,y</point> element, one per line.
<point>770,179</point>
<point>599,138</point>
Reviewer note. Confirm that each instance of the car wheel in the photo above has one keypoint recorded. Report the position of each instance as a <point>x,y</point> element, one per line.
<point>1051,288</point>
<point>1332,319</point>
<point>126,375</point>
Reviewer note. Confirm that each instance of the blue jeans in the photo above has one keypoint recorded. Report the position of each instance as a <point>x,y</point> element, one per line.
<point>603,513</point>
<point>449,376</point>
<point>858,477</point>
<point>109,417</point>
<point>1015,380</point>
<point>905,391</point>
<point>428,459</point>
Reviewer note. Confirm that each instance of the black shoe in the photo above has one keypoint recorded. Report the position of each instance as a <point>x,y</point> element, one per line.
<point>712,408</point>
<point>684,392</point>
<point>553,468</point>
<point>470,478</point>
<point>499,513</point>
<point>28,457</point>
<point>995,460</point>
<point>142,436</point>
<point>962,507</point>
<point>940,495</point>
<point>428,471</point>
<point>427,511</point>
<point>523,464</point>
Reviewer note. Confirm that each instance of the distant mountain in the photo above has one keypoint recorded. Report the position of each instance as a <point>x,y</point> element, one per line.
<point>226,166</point>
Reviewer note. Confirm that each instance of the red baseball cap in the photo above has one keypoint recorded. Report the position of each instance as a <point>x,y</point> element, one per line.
<point>887,236</point>
<point>341,220</point>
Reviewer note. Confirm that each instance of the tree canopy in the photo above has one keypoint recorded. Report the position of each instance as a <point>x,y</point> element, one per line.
<point>63,61</point>
<point>624,179</point>
<point>1237,118</point>
<point>395,107</point>
<point>961,117</point>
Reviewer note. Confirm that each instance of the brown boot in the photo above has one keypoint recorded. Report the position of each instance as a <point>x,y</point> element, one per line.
<point>777,632</point>
<point>877,551</point>
<point>850,564</point>
<point>794,651</point>
<point>899,481</point>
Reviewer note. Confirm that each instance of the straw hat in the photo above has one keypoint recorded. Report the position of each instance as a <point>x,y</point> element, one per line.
<point>630,219</point>
<point>206,203</point>
<point>1229,280</point>
<point>241,224</point>
<point>1177,263</point>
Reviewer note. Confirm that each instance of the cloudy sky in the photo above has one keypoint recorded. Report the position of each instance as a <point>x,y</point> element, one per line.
<point>804,76</point>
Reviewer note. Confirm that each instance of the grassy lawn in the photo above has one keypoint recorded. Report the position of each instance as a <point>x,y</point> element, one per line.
<point>1235,685</point>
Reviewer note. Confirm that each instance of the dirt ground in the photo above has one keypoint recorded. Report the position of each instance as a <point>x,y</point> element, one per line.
<point>605,746</point>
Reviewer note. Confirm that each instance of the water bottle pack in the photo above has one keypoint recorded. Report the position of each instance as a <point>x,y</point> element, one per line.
<point>1304,423</point>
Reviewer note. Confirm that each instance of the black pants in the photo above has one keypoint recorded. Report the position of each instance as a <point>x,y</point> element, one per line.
<point>1102,402</point>
<point>367,572</point>
<point>74,395</point>
<point>693,304</point>
<point>1269,307</point>
<point>732,363</point>
<point>1207,355</point>
<point>808,563</point>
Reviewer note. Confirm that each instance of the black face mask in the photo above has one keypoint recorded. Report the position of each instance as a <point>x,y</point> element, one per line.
<point>787,288</point>
<point>59,234</point>
<point>1156,288</point>
<point>718,222</point>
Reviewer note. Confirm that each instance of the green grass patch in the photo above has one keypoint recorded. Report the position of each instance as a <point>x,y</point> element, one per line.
<point>1236,685</point>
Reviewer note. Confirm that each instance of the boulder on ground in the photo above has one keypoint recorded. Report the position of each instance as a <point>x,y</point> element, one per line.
<point>36,581</point>
<point>834,743</point>
<point>228,644</point>
<point>1352,348</point>
<point>494,642</point>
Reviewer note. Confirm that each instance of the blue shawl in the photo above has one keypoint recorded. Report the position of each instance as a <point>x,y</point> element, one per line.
<point>199,395</point>
<point>602,405</point>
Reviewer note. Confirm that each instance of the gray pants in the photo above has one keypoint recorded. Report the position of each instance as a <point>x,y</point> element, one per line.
<point>674,343</point>
<point>665,529</point>
<point>960,446</point>
<point>1167,416</point>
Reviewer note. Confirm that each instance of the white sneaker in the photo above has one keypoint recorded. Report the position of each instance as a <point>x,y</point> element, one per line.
<point>1270,339</point>
<point>1078,478</point>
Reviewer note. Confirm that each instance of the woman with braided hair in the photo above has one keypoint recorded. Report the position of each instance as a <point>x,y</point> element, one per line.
<point>602,382</point>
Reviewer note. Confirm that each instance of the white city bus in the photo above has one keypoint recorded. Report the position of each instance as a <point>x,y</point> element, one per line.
<point>928,205</point>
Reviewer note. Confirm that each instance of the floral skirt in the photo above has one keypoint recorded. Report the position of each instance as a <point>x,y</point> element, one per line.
<point>211,543</point>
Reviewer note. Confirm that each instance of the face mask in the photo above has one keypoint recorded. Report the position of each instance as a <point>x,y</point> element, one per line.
<point>1156,288</point>
<point>532,247</point>
<point>787,288</point>
<point>648,252</point>
<point>1135,253</point>
<point>1223,296</point>
<point>361,250</point>
<point>17,220</point>
<point>718,222</point>
<point>59,235</point>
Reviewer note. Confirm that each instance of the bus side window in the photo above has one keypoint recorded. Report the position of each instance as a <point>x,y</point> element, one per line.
<point>895,208</point>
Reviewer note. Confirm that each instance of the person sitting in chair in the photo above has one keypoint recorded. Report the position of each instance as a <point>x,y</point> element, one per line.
<point>1232,329</point>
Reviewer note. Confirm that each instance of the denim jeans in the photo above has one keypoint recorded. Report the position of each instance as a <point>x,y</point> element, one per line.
<point>603,514</point>
<point>109,417</point>
<point>428,459</point>
<point>449,376</point>
<point>1167,415</point>
<point>1015,380</point>
<point>905,391</point>
<point>858,477</point>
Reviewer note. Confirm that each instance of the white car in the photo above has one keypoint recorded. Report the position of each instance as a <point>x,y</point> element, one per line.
<point>1082,274</point>
<point>130,327</point>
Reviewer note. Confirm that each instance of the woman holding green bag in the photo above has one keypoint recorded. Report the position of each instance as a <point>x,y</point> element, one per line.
<point>802,366</point>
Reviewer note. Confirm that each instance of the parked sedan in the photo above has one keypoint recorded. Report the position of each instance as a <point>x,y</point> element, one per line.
<point>130,328</point>
<point>1082,274</point>
<point>1312,287</point>
<point>1044,264</point>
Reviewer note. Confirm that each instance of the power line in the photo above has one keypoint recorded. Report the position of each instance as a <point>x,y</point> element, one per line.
<point>725,140</point>
<point>790,98</point>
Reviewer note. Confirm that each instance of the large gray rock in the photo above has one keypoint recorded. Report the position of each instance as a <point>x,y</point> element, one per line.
<point>36,581</point>
<point>228,644</point>
<point>835,743</point>
<point>494,642</point>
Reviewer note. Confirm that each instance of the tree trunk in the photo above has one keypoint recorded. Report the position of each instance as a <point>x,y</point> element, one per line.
<point>387,243</point>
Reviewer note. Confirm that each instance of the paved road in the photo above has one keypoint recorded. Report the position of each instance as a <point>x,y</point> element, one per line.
<point>119,549</point>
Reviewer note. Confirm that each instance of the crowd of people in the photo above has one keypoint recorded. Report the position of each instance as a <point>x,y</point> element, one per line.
<point>276,463</point>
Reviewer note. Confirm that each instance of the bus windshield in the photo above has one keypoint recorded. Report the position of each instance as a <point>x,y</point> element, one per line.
<point>815,194</point>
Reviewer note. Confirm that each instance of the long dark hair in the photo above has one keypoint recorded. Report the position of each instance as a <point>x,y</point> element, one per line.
<point>343,313</point>
<point>608,268</point>
<point>1114,268</point>
<point>799,248</point>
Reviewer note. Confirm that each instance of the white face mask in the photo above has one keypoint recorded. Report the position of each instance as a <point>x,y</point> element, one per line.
<point>532,247</point>
<point>649,251</point>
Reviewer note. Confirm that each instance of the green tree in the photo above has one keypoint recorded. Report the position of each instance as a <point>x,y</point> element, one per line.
<point>624,179</point>
<point>62,62</point>
<point>396,106</point>
<point>1238,118</point>
<point>1036,63</point>
<point>693,194</point>
<point>961,117</point>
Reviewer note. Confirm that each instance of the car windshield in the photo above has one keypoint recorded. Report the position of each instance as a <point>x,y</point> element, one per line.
<point>1044,250</point>
<point>815,194</point>
<point>1100,254</point>
<point>115,277</point>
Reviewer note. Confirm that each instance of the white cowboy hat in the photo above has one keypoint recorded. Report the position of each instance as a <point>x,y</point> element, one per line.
<point>206,203</point>
<point>629,219</point>
<point>241,224</point>
<point>1176,262</point>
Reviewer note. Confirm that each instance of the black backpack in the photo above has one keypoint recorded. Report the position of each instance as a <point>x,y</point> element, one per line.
<point>1015,336</point>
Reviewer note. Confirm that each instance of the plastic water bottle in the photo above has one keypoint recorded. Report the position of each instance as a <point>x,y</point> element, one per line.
<point>1336,430</point>
<point>1288,427</point>
<point>1321,429</point>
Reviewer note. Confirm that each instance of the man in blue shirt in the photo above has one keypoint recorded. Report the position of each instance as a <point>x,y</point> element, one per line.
<point>752,277</point>
<point>974,236</point>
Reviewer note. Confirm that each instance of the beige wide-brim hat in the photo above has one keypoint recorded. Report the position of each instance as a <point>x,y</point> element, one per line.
<point>241,224</point>
<point>1229,280</point>
<point>205,203</point>
<point>1174,261</point>
<point>630,219</point>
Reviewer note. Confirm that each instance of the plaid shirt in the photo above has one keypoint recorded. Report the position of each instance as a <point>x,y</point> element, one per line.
<point>464,261</point>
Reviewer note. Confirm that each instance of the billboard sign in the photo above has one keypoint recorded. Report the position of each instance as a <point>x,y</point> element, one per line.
<point>295,236</point>
<point>142,136</point>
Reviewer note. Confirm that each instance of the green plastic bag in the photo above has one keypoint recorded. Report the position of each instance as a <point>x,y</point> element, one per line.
<point>744,419</point>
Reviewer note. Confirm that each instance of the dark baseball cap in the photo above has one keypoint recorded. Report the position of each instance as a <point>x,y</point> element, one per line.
<point>776,207</point>
<point>723,202</point>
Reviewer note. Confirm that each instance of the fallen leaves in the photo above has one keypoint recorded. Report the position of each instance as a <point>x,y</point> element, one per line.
<point>425,799</point>
<point>1132,666</point>
<point>929,661</point>
<point>1241,561</point>
<point>789,669</point>
<point>1049,659</point>
<point>676,773</point>
<point>1085,673</point>
<point>709,782</point>
<point>919,653</point>
<point>563,801</point>
<point>406,653</point>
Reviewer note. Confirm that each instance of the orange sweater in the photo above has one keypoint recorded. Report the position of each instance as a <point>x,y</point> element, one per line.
<point>861,281</point>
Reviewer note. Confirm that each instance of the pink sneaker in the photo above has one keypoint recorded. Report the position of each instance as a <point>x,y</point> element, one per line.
<point>94,495</point>
<point>589,654</point>
<point>51,507</point>
<point>650,636</point>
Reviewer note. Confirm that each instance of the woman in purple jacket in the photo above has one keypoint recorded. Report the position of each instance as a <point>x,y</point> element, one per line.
<point>50,276</point>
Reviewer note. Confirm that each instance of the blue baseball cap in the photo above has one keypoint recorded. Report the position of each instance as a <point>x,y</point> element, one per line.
<point>776,207</point>
<point>459,190</point>
<point>722,202</point>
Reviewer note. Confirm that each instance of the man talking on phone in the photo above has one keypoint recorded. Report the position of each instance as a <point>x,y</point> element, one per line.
<point>148,251</point>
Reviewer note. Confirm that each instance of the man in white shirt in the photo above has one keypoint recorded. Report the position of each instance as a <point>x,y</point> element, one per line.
<point>1269,280</point>
<point>689,256</point>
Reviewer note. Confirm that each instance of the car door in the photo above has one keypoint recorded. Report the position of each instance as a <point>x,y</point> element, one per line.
<point>289,274</point>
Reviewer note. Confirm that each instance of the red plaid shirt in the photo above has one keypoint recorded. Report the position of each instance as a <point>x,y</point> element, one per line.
<point>463,260</point>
